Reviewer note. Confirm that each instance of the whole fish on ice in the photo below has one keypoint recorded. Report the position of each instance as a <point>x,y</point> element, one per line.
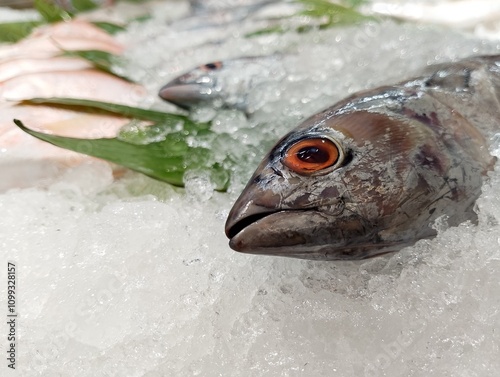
<point>371,174</point>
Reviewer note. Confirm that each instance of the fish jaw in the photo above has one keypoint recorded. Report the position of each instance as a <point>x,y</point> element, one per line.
<point>265,223</point>
<point>308,234</point>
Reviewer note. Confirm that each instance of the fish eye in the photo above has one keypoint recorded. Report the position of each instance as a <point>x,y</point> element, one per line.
<point>311,155</point>
<point>212,66</point>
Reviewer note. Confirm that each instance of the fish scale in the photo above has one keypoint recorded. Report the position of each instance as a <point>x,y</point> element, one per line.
<point>409,154</point>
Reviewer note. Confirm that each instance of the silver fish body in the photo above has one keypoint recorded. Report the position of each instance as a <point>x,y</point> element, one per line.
<point>371,174</point>
<point>223,84</point>
<point>204,6</point>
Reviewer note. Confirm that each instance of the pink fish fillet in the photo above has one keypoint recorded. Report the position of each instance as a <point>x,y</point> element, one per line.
<point>26,161</point>
<point>20,66</point>
<point>84,84</point>
<point>31,68</point>
<point>74,29</point>
<point>50,40</point>
<point>50,46</point>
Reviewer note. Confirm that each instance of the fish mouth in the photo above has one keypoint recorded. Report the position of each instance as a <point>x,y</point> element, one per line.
<point>232,229</point>
<point>303,233</point>
<point>300,233</point>
<point>250,234</point>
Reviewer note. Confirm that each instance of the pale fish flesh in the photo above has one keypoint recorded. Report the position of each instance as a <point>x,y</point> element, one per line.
<point>32,68</point>
<point>371,174</point>
<point>84,84</point>
<point>50,40</point>
<point>11,68</point>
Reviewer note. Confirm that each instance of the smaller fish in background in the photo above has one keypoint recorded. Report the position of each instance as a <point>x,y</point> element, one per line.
<point>224,84</point>
<point>208,14</point>
<point>203,6</point>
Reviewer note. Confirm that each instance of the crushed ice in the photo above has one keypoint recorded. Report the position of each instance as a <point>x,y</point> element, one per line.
<point>134,278</point>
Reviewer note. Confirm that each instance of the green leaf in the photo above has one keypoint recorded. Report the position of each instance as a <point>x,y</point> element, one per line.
<point>109,27</point>
<point>136,133</point>
<point>220,176</point>
<point>326,13</point>
<point>278,29</point>
<point>109,108</point>
<point>83,5</point>
<point>164,150</point>
<point>335,13</point>
<point>50,12</point>
<point>102,60</point>
<point>354,3</point>
<point>15,31</point>
<point>141,18</point>
<point>166,160</point>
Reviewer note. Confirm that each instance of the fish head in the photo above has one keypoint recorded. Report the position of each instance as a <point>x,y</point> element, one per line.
<point>233,83</point>
<point>346,186</point>
<point>196,87</point>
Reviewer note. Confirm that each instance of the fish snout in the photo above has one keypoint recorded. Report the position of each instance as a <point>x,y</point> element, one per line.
<point>257,224</point>
<point>261,223</point>
<point>246,212</point>
<point>185,95</point>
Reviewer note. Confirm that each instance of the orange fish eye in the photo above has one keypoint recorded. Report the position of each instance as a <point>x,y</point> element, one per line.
<point>311,155</point>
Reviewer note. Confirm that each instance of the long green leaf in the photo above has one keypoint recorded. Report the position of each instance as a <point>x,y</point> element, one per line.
<point>83,5</point>
<point>278,29</point>
<point>15,31</point>
<point>354,3</point>
<point>53,13</point>
<point>165,160</point>
<point>102,60</point>
<point>337,14</point>
<point>109,108</point>
<point>109,27</point>
<point>325,14</point>
<point>50,12</point>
